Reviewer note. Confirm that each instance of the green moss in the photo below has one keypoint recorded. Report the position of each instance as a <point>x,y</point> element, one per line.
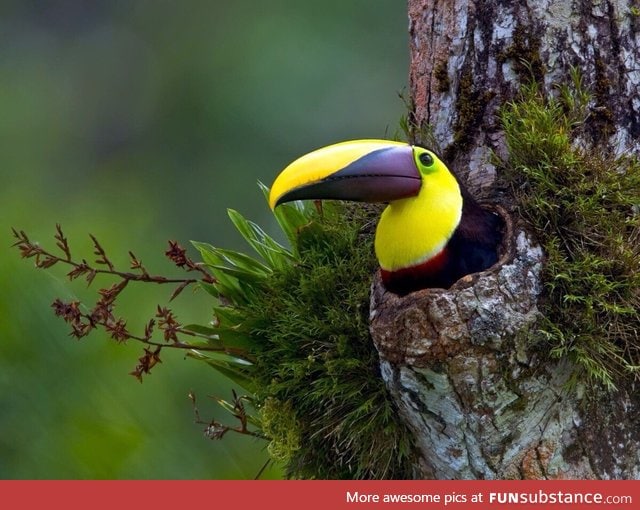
<point>524,52</point>
<point>314,370</point>
<point>316,355</point>
<point>584,207</point>
<point>442,77</point>
<point>518,405</point>
<point>470,105</point>
<point>602,116</point>
<point>279,423</point>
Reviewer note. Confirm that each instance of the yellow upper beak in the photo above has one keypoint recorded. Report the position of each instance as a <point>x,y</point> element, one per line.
<point>360,170</point>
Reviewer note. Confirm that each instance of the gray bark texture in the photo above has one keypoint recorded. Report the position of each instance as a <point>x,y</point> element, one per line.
<point>481,403</point>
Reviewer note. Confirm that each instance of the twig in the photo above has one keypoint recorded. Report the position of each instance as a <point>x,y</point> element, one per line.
<point>101,315</point>
<point>217,430</point>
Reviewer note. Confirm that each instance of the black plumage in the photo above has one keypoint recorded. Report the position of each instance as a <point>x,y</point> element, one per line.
<point>473,247</point>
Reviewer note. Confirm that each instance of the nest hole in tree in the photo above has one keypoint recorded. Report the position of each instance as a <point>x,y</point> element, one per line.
<point>480,310</point>
<point>503,253</point>
<point>505,248</point>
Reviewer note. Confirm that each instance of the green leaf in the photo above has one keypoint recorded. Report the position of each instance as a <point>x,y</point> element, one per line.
<point>227,336</point>
<point>291,217</point>
<point>226,285</point>
<point>238,373</point>
<point>273,253</point>
<point>242,262</point>
<point>241,275</point>
<point>209,288</point>
<point>212,339</point>
<point>202,330</point>
<point>227,316</point>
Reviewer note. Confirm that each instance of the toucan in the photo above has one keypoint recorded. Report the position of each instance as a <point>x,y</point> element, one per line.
<point>431,233</point>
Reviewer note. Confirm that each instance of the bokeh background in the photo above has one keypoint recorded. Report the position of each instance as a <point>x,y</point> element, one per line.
<point>142,121</point>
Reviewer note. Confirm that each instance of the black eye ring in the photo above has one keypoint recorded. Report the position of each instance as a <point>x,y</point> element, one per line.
<point>426,159</point>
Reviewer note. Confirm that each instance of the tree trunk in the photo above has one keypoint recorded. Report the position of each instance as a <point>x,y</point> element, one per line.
<point>468,57</point>
<point>481,404</point>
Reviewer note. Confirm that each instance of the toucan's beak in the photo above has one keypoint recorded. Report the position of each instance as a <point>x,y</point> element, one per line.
<point>360,170</point>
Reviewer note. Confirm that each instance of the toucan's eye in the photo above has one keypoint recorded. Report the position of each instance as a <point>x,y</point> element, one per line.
<point>426,159</point>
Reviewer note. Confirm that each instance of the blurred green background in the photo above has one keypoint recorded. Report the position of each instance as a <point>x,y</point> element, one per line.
<point>142,121</point>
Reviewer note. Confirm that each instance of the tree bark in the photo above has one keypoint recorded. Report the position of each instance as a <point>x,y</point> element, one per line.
<point>469,56</point>
<point>480,402</point>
